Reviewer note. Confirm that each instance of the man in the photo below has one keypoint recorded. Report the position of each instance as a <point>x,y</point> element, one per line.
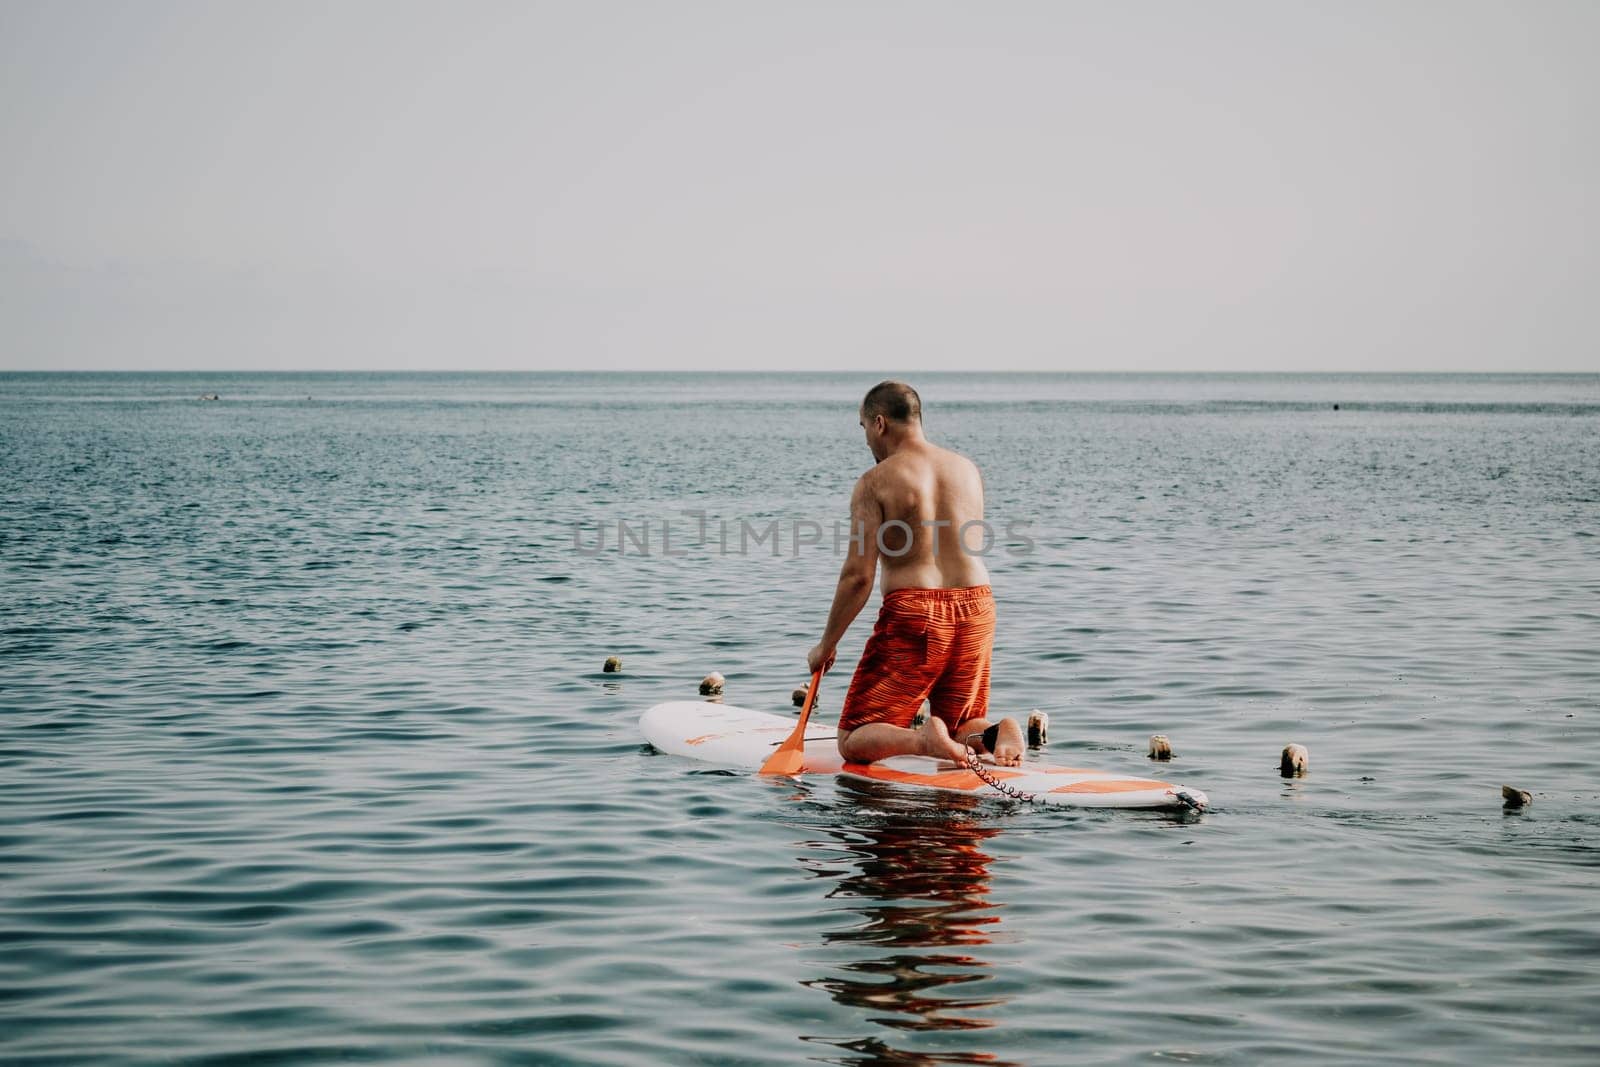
<point>935,632</point>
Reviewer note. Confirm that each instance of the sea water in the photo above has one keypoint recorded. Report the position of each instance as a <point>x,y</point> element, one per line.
<point>306,755</point>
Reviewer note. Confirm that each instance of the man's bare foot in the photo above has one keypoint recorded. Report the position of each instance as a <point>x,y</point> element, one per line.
<point>1008,744</point>
<point>936,741</point>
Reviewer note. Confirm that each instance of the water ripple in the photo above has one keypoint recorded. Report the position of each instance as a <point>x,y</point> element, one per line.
<point>308,757</point>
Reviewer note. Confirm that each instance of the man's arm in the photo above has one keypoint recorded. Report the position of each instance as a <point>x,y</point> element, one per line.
<point>855,577</point>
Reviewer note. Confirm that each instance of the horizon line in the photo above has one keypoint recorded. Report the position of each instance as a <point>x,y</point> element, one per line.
<point>768,372</point>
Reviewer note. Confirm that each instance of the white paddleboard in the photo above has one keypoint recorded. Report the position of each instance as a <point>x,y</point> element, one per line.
<point>740,738</point>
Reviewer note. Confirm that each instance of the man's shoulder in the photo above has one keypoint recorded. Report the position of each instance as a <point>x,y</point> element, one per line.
<point>958,459</point>
<point>867,484</point>
<point>880,480</point>
<point>893,469</point>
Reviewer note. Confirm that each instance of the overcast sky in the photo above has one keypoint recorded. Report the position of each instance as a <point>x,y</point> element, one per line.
<point>800,185</point>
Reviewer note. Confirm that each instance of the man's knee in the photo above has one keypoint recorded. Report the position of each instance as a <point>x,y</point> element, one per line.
<point>847,747</point>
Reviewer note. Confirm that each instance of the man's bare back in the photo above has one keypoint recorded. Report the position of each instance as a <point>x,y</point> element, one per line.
<point>919,513</point>
<point>936,496</point>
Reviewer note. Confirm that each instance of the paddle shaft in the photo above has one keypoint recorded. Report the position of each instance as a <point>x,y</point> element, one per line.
<point>790,756</point>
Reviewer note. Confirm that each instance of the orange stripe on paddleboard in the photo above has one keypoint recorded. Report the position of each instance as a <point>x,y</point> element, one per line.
<point>946,780</point>
<point>702,739</point>
<point>1112,785</point>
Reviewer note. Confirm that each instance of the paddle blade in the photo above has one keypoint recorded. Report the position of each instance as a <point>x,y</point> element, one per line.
<point>787,762</point>
<point>790,756</point>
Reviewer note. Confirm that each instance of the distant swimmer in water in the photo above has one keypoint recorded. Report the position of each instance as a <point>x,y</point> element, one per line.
<point>935,633</point>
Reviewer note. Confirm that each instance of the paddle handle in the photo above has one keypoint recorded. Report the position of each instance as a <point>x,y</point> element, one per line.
<point>811,696</point>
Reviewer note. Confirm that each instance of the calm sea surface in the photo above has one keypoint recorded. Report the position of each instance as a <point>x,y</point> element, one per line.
<point>306,756</point>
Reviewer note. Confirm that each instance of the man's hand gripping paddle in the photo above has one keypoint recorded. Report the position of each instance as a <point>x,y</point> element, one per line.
<point>790,757</point>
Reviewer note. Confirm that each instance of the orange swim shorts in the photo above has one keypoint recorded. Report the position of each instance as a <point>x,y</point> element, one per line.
<point>929,644</point>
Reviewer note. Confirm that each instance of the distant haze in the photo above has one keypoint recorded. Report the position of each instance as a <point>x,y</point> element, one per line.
<point>1029,186</point>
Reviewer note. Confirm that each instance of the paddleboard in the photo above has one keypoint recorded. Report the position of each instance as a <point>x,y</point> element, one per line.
<point>740,738</point>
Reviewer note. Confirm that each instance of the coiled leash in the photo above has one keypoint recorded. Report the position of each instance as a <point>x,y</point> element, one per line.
<point>989,737</point>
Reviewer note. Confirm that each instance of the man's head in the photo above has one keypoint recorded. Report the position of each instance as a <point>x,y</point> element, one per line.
<point>890,413</point>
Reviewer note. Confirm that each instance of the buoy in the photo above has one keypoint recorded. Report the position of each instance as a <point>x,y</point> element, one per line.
<point>711,685</point>
<point>1296,761</point>
<point>1038,728</point>
<point>1336,407</point>
<point>1160,747</point>
<point>1516,798</point>
<point>613,665</point>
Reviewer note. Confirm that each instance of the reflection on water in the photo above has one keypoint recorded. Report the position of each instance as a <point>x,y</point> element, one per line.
<point>915,885</point>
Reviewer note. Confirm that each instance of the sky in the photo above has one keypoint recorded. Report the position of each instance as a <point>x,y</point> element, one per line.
<point>1057,186</point>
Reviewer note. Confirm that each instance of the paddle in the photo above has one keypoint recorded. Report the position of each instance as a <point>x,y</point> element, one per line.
<point>791,755</point>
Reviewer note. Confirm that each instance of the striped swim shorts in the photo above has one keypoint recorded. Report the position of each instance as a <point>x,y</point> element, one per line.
<point>928,644</point>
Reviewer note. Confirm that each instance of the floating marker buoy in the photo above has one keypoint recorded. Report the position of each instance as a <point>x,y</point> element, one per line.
<point>613,665</point>
<point>1038,728</point>
<point>1296,761</point>
<point>1516,798</point>
<point>1160,747</point>
<point>711,685</point>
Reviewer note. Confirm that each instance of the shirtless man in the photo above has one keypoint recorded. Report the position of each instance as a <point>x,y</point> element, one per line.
<point>935,631</point>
